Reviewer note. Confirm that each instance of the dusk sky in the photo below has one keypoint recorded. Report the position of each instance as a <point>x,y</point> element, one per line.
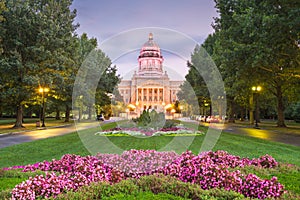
<point>120,23</point>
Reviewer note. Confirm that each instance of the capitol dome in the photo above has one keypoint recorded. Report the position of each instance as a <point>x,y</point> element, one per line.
<point>150,58</point>
<point>150,44</point>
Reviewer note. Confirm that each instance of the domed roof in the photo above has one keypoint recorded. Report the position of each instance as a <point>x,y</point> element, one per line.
<point>150,43</point>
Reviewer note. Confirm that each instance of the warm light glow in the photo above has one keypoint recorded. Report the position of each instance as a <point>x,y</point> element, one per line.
<point>173,110</point>
<point>163,103</point>
<point>180,107</point>
<point>137,103</point>
<point>168,106</point>
<point>256,88</point>
<point>41,90</point>
<point>131,106</point>
<point>127,110</point>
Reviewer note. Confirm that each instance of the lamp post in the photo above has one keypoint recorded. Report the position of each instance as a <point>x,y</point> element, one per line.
<point>256,90</point>
<point>43,91</point>
<point>220,101</point>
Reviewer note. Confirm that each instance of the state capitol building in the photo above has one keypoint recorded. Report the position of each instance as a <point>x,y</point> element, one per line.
<point>150,86</point>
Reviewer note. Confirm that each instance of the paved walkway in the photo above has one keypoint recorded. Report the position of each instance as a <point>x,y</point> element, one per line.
<point>270,135</point>
<point>292,139</point>
<point>43,133</point>
<point>17,138</point>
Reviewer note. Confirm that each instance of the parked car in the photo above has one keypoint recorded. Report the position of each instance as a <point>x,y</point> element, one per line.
<point>212,119</point>
<point>203,118</point>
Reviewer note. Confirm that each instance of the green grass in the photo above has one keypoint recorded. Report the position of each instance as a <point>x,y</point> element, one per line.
<point>244,146</point>
<point>55,147</point>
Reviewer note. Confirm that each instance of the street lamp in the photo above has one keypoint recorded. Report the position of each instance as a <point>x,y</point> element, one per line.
<point>43,91</point>
<point>256,90</point>
<point>220,102</point>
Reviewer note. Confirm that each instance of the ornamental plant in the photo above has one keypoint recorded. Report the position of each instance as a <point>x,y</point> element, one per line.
<point>134,131</point>
<point>69,173</point>
<point>137,163</point>
<point>209,170</point>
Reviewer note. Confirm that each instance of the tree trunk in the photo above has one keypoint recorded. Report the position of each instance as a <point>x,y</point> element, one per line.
<point>90,112</point>
<point>280,107</point>
<point>231,118</point>
<point>67,119</point>
<point>57,117</point>
<point>242,115</point>
<point>19,117</point>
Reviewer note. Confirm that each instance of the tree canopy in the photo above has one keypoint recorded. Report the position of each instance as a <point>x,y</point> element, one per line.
<point>40,48</point>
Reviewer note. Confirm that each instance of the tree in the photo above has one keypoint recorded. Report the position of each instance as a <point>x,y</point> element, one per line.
<point>36,35</point>
<point>77,52</point>
<point>259,38</point>
<point>95,80</point>
<point>203,84</point>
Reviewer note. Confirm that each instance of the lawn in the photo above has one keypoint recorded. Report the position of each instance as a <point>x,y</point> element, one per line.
<point>54,148</point>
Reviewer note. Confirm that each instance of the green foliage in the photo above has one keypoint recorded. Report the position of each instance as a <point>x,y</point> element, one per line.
<point>150,119</point>
<point>258,38</point>
<point>37,34</point>
<point>286,174</point>
<point>10,178</point>
<point>171,123</point>
<point>153,187</point>
<point>296,112</point>
<point>145,195</point>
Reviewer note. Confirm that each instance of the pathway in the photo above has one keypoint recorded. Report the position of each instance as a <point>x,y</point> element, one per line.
<point>292,139</point>
<point>270,135</point>
<point>43,133</point>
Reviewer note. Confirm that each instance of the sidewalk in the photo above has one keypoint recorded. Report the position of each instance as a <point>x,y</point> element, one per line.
<point>42,133</point>
<point>290,135</point>
<point>292,139</point>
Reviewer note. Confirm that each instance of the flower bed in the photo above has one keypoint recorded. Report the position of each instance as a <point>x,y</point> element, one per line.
<point>150,132</point>
<point>208,169</point>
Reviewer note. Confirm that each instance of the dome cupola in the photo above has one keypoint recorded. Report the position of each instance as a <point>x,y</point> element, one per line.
<point>150,58</point>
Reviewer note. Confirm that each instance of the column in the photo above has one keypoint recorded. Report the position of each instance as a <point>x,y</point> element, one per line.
<point>152,94</point>
<point>157,94</point>
<point>136,94</point>
<point>147,96</point>
<point>142,96</point>
<point>163,95</point>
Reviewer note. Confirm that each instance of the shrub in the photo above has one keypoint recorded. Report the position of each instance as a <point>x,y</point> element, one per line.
<point>170,123</point>
<point>151,119</point>
<point>164,187</point>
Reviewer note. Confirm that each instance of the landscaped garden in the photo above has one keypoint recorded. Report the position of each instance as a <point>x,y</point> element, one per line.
<point>237,168</point>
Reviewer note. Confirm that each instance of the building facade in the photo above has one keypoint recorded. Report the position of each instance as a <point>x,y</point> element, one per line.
<point>150,86</point>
